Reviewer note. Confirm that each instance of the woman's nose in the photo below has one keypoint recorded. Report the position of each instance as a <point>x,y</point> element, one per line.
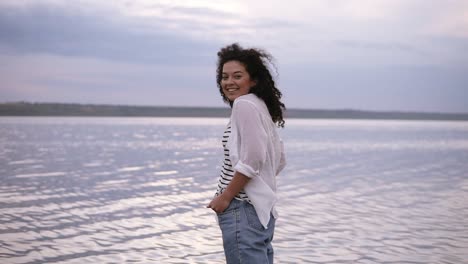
<point>229,80</point>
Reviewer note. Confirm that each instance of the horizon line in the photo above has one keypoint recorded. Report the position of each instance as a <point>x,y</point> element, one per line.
<point>227,107</point>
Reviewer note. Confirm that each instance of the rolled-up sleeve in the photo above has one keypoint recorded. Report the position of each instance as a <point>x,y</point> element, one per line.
<point>251,136</point>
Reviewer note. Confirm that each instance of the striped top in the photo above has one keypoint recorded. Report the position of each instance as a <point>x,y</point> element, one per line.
<point>227,172</point>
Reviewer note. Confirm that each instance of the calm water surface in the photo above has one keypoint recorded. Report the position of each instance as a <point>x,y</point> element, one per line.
<point>116,190</point>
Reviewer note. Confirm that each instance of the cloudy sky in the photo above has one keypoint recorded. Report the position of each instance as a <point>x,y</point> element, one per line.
<point>404,55</point>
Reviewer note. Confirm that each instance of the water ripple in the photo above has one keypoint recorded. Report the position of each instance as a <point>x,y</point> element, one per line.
<point>123,190</point>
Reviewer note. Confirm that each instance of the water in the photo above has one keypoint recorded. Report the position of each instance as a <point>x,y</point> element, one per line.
<point>116,190</point>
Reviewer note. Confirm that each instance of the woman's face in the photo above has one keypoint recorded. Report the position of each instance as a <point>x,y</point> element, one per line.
<point>235,80</point>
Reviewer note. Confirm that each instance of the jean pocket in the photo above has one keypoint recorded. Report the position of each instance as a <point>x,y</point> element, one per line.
<point>252,217</point>
<point>226,211</point>
<point>233,205</point>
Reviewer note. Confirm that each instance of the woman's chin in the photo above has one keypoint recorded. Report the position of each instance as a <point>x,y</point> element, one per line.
<point>232,97</point>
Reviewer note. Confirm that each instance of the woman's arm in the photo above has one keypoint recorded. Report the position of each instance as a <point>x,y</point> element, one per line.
<point>221,202</point>
<point>251,151</point>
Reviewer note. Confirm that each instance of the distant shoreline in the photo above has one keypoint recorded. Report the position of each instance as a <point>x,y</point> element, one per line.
<point>71,109</point>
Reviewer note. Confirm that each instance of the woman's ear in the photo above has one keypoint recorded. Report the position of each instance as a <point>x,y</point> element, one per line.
<point>253,83</point>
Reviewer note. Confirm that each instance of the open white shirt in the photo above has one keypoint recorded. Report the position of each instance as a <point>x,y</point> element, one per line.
<point>256,150</point>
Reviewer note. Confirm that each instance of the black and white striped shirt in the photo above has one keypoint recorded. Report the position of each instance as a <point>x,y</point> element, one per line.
<point>227,172</point>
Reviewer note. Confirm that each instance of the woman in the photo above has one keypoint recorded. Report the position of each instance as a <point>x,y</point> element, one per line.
<point>253,155</point>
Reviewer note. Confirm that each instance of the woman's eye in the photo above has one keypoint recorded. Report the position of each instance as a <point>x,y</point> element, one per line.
<point>238,77</point>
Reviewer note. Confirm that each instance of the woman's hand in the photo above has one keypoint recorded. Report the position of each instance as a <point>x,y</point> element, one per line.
<point>219,203</point>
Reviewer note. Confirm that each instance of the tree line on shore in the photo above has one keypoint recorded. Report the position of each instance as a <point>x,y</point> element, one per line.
<point>71,109</point>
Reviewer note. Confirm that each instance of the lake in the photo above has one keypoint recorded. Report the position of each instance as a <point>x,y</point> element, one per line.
<point>117,190</point>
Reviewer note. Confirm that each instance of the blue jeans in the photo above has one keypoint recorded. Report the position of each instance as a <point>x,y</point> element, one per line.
<point>245,240</point>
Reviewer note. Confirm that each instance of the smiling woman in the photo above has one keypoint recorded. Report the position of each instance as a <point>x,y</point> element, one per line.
<point>253,155</point>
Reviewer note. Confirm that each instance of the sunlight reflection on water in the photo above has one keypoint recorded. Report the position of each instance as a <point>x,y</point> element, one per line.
<point>115,190</point>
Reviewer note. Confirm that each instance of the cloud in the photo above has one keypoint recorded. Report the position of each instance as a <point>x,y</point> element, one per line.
<point>386,46</point>
<point>58,29</point>
<point>365,54</point>
<point>364,32</point>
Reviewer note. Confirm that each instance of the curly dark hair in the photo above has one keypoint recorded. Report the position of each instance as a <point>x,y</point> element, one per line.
<point>256,62</point>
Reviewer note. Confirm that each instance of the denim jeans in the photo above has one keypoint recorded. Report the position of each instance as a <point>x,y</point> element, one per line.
<point>245,240</point>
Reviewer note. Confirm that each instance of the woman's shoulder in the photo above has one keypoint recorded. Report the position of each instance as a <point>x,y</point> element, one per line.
<point>249,104</point>
<point>248,99</point>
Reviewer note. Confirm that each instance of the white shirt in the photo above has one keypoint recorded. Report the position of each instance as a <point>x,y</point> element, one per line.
<point>256,151</point>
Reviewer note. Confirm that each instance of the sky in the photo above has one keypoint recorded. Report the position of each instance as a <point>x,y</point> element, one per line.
<point>380,55</point>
